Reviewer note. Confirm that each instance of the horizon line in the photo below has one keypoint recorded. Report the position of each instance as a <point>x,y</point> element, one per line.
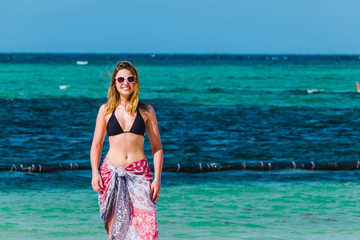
<point>166,53</point>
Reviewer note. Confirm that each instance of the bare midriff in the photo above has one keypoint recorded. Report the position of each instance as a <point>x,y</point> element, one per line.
<point>125,149</point>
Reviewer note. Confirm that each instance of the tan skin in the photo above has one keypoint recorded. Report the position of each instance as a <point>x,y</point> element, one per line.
<point>126,148</point>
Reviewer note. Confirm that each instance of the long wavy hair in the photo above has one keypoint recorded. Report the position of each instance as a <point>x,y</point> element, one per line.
<point>114,96</point>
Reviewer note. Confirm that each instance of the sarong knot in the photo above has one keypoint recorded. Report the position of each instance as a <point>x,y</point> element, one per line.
<point>120,171</point>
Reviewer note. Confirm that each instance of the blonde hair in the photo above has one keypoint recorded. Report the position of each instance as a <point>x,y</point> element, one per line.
<point>114,96</point>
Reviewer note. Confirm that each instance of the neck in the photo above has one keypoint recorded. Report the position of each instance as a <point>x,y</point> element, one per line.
<point>124,101</point>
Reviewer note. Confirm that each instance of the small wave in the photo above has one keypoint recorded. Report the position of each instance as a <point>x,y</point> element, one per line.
<point>62,87</point>
<point>272,58</point>
<point>309,91</point>
<point>81,62</point>
<point>319,91</point>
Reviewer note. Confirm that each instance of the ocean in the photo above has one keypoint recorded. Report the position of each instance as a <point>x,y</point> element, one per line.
<point>255,146</point>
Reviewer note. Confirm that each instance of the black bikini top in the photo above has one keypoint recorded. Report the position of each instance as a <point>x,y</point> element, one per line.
<point>113,127</point>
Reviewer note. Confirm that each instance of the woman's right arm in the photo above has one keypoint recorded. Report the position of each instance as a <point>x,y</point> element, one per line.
<point>96,149</point>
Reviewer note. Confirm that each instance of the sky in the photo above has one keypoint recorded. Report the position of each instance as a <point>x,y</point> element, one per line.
<point>181,26</point>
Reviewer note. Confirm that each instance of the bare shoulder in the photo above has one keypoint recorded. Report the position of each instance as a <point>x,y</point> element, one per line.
<point>146,108</point>
<point>102,109</point>
<point>147,111</point>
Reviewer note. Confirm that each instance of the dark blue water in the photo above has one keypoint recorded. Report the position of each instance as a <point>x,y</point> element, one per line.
<point>176,59</point>
<point>54,131</point>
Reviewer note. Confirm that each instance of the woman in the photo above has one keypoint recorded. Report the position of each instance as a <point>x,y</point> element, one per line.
<point>127,193</point>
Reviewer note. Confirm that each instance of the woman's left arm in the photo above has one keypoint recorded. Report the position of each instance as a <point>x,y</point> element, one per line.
<point>155,141</point>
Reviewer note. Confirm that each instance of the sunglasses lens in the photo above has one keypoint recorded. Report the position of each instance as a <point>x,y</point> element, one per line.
<point>131,79</point>
<point>120,79</point>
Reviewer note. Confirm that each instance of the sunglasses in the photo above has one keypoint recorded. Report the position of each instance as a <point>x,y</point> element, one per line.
<point>130,79</point>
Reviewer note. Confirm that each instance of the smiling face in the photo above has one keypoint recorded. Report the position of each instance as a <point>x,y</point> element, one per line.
<point>124,91</point>
<point>125,88</point>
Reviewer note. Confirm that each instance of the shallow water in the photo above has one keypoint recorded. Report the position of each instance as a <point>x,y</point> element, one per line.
<point>249,205</point>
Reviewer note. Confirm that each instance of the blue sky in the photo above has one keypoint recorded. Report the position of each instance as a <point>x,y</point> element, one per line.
<point>181,26</point>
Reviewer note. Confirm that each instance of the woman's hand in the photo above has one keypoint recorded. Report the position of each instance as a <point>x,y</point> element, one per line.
<point>155,191</point>
<point>97,182</point>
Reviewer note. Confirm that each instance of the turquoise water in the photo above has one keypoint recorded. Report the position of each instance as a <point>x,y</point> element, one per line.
<point>200,210</point>
<point>212,109</point>
<point>261,84</point>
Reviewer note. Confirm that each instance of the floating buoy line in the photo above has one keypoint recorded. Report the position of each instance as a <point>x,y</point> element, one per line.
<point>197,168</point>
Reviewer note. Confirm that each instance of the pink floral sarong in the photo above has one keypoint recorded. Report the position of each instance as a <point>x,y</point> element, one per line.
<point>127,197</point>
